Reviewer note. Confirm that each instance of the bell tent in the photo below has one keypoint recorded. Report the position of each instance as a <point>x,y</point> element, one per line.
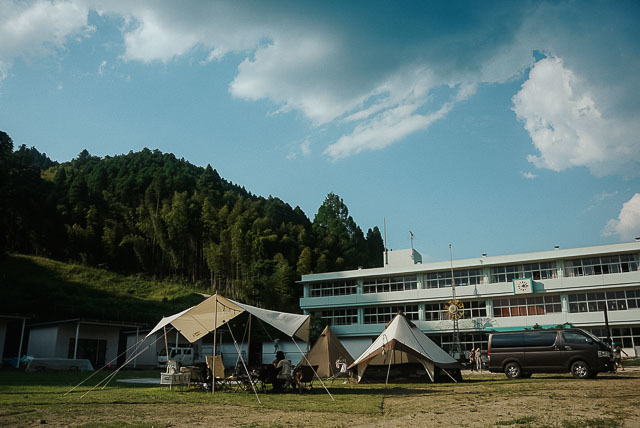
<point>402,342</point>
<point>325,352</point>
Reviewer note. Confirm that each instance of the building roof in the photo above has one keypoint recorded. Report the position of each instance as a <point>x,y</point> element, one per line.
<point>477,262</point>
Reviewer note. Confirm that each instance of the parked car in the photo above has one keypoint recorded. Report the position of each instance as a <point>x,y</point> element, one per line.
<point>185,355</point>
<point>521,353</point>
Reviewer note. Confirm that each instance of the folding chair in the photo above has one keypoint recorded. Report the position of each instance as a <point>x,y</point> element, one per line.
<point>221,382</point>
<point>303,377</point>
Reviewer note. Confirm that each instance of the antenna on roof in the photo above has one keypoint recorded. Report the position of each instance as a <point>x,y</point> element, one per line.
<point>411,235</point>
<point>386,252</point>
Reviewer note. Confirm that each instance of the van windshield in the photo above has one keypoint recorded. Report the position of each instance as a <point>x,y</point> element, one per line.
<point>592,336</point>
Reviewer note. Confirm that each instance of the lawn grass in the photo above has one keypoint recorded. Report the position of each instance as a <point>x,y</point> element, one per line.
<point>489,400</point>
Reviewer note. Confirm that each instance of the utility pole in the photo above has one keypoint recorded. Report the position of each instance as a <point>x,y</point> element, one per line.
<point>455,314</point>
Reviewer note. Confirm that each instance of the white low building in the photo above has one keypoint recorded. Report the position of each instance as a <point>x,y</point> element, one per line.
<point>556,287</point>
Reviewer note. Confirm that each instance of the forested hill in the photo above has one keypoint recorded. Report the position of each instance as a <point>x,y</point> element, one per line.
<point>149,212</point>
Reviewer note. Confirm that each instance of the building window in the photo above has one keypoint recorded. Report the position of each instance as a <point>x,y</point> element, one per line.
<point>468,341</point>
<point>594,302</point>
<point>384,314</point>
<point>390,283</point>
<point>535,271</point>
<point>340,316</point>
<point>333,288</point>
<point>526,306</point>
<point>472,309</point>
<point>435,312</point>
<point>626,336</point>
<point>462,277</point>
<point>601,265</point>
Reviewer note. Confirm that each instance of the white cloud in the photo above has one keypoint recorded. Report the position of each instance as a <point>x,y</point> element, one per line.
<point>627,225</point>
<point>336,67</point>
<point>304,150</point>
<point>35,28</point>
<point>305,147</point>
<point>528,175</point>
<point>567,127</point>
<point>102,66</point>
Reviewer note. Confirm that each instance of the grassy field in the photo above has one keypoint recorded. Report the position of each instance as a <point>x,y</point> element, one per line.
<point>479,401</point>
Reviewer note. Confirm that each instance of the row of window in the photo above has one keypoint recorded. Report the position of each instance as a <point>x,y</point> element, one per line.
<point>504,307</point>
<point>393,283</point>
<point>472,309</point>
<point>524,306</point>
<point>620,300</point>
<point>499,274</point>
<point>333,288</point>
<point>462,278</point>
<point>601,265</point>
<point>384,314</point>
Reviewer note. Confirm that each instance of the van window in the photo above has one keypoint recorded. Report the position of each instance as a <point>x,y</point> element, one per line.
<point>540,338</point>
<point>575,337</point>
<point>507,340</point>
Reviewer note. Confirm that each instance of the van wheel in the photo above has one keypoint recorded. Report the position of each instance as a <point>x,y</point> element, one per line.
<point>512,370</point>
<point>580,370</point>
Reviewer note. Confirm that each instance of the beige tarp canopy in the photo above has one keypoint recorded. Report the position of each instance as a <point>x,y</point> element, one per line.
<point>402,342</point>
<point>197,321</point>
<point>325,352</point>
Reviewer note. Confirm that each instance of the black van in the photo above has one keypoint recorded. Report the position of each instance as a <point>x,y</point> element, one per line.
<point>521,353</point>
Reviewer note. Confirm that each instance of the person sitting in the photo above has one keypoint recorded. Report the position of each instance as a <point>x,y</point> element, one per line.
<point>283,379</point>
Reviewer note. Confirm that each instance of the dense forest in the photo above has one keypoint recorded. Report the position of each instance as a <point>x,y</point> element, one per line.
<point>151,213</point>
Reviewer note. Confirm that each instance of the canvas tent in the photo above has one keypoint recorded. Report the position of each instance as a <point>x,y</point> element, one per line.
<point>216,311</point>
<point>403,342</point>
<point>325,352</point>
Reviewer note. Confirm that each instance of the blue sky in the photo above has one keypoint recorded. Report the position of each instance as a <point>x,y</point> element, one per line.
<point>500,127</point>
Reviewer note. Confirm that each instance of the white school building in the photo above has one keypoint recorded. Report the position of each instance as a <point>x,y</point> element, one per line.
<point>499,293</point>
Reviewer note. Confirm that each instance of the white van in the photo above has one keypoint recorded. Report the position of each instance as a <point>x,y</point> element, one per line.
<point>185,355</point>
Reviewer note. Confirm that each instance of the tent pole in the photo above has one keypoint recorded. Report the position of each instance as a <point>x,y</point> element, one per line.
<point>393,356</point>
<point>452,378</point>
<point>166,344</point>
<point>314,371</point>
<point>249,343</point>
<point>238,350</point>
<point>215,335</point>
<point>166,349</point>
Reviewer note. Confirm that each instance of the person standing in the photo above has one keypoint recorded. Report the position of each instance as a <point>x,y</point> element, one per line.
<point>472,358</point>
<point>478,357</point>
<point>617,356</point>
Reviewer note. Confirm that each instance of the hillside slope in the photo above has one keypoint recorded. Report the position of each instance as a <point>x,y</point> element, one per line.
<point>51,290</point>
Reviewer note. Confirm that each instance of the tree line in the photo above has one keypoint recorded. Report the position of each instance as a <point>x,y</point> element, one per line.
<point>149,212</point>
